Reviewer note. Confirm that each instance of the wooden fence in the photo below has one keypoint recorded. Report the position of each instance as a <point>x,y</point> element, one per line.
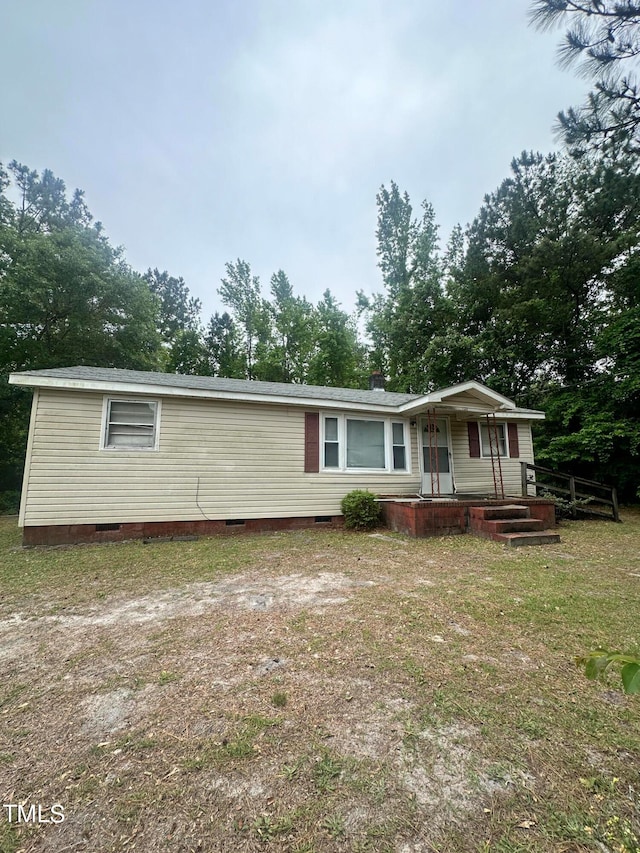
<point>602,500</point>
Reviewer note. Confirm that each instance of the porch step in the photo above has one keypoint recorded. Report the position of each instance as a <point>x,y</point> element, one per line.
<point>516,540</point>
<point>499,512</point>
<point>512,525</point>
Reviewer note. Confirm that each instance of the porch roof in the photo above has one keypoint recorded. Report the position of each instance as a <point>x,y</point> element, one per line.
<point>469,399</point>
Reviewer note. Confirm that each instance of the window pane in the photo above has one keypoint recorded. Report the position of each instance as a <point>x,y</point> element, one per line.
<point>365,444</point>
<point>433,463</point>
<point>399,461</point>
<point>486,449</point>
<point>131,424</point>
<point>398,433</point>
<point>330,455</point>
<point>331,429</point>
<point>130,437</point>
<point>132,413</point>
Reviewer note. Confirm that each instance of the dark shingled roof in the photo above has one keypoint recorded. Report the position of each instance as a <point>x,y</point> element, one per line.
<point>115,376</point>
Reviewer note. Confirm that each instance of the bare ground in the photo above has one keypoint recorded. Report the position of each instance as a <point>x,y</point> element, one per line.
<point>302,704</point>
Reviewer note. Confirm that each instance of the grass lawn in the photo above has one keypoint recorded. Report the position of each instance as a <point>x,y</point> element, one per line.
<point>320,691</point>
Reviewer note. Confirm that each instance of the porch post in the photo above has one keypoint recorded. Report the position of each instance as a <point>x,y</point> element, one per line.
<point>614,501</point>
<point>572,496</point>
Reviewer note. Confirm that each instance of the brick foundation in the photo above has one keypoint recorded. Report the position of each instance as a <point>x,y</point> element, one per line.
<point>413,518</point>
<point>72,534</point>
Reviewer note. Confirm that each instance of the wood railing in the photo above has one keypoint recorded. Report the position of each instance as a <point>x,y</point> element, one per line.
<point>602,500</point>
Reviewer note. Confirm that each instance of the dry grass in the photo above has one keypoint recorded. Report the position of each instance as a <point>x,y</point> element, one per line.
<point>320,691</point>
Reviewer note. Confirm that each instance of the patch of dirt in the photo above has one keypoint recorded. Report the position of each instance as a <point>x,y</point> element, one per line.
<point>244,592</point>
<point>442,772</point>
<point>107,713</point>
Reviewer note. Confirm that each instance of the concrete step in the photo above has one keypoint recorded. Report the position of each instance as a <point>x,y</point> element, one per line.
<point>499,512</point>
<point>516,540</point>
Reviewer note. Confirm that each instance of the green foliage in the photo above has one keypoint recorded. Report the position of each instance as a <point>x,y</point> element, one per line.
<point>223,348</point>
<point>360,509</point>
<point>403,322</point>
<point>337,358</point>
<point>548,294</point>
<point>178,323</point>
<point>67,297</point>
<point>598,661</point>
<point>286,339</point>
<point>603,40</point>
<point>240,290</point>
<point>565,508</point>
<point>294,331</point>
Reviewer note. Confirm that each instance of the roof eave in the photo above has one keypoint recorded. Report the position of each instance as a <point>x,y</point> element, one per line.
<point>105,387</point>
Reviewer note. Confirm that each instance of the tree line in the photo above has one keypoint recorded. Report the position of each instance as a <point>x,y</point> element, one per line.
<point>539,297</point>
<point>68,297</point>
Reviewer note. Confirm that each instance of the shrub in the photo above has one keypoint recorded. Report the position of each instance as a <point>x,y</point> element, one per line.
<point>565,508</point>
<point>360,509</point>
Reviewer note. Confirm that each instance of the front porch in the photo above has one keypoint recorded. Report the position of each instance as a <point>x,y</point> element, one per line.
<point>514,521</point>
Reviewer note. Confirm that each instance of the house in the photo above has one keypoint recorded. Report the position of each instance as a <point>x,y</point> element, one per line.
<point>116,454</point>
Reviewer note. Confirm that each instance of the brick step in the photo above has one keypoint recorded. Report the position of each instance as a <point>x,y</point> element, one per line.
<point>513,525</point>
<point>499,512</point>
<point>514,538</point>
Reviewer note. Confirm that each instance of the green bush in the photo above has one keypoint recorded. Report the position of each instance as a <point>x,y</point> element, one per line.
<point>565,508</point>
<point>360,509</point>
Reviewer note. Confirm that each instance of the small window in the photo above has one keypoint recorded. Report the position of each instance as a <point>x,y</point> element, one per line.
<point>399,447</point>
<point>131,425</point>
<point>331,444</point>
<point>484,436</point>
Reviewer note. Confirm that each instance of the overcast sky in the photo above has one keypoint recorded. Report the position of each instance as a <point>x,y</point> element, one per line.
<point>208,130</point>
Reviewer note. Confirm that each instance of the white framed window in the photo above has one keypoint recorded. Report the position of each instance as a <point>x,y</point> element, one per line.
<point>331,454</point>
<point>351,443</point>
<point>399,446</point>
<point>130,424</point>
<point>485,448</point>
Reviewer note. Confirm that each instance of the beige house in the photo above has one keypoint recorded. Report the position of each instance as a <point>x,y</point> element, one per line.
<point>119,453</point>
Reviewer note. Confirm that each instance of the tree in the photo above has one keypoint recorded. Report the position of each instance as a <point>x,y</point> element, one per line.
<point>43,205</point>
<point>178,323</point>
<point>224,356</point>
<point>603,40</point>
<point>240,290</point>
<point>338,359</point>
<point>548,302</point>
<point>294,327</point>
<point>67,297</point>
<point>405,318</point>
<point>178,309</point>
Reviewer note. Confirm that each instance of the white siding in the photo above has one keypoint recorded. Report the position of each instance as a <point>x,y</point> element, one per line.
<point>467,398</point>
<point>475,475</point>
<point>234,460</point>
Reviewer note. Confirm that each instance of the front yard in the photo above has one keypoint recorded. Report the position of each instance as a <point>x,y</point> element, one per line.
<point>319,691</point>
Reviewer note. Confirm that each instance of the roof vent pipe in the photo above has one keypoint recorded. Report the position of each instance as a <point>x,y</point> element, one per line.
<point>376,381</point>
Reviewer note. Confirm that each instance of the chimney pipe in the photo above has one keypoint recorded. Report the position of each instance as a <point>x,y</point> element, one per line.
<point>376,381</point>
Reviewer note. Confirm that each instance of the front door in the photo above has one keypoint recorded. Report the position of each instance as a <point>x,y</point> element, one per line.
<point>437,478</point>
